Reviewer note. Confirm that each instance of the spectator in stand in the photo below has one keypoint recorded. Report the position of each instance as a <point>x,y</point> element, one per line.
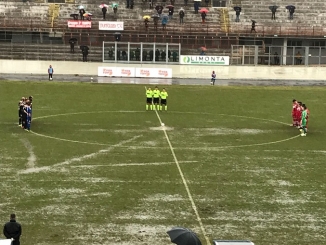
<point>253,26</point>
<point>128,3</point>
<point>151,55</point>
<point>132,3</point>
<point>181,15</point>
<point>298,58</point>
<point>206,2</point>
<point>85,53</point>
<point>155,23</point>
<point>118,54</point>
<point>137,54</point>
<point>111,54</point>
<point>144,55</point>
<point>157,55</point>
<point>174,56</point>
<point>163,55</point>
<point>196,7</point>
<point>169,55</point>
<point>81,13</point>
<point>115,9</point>
<point>124,55</point>
<point>171,11</point>
<point>131,55</point>
<point>104,10</point>
<point>72,45</point>
<point>164,22</point>
<point>203,17</point>
<point>276,59</point>
<point>237,15</point>
<point>186,2</point>
<point>146,21</point>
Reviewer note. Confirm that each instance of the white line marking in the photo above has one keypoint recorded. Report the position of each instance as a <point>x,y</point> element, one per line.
<point>77,159</point>
<point>31,160</point>
<point>145,147</point>
<point>129,164</point>
<point>184,181</point>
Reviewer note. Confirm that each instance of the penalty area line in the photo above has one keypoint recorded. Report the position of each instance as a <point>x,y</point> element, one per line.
<point>194,207</point>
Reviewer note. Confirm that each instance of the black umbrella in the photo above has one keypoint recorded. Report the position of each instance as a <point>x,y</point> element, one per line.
<point>273,8</point>
<point>290,7</point>
<point>75,16</point>
<point>73,39</point>
<point>183,236</point>
<point>84,47</point>
<point>253,21</point>
<point>237,8</point>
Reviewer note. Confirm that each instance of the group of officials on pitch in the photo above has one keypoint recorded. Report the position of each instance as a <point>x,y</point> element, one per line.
<point>25,113</point>
<point>156,99</point>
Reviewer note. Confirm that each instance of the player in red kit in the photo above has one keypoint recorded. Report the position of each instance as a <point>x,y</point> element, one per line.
<point>294,113</point>
<point>298,113</point>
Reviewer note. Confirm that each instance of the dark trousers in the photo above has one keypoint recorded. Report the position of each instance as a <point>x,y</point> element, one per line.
<point>50,76</point>
<point>291,16</point>
<point>104,13</point>
<point>16,242</point>
<point>84,57</point>
<point>24,121</point>
<point>237,18</point>
<point>181,20</point>
<point>72,48</point>
<point>20,117</point>
<point>273,15</point>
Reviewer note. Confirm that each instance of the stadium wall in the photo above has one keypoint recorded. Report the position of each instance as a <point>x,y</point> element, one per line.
<point>178,71</point>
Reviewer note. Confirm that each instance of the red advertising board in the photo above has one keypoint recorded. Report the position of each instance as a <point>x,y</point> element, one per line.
<point>84,24</point>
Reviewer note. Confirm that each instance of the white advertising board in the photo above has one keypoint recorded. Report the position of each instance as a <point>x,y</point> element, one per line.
<point>110,26</point>
<point>204,60</point>
<point>154,72</point>
<point>134,72</point>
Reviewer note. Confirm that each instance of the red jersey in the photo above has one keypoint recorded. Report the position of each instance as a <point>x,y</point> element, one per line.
<point>294,108</point>
<point>299,111</point>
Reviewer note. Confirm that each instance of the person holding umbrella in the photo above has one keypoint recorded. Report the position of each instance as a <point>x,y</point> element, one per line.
<point>181,15</point>
<point>164,22</point>
<point>146,21</point>
<point>203,12</point>
<point>72,42</point>
<point>237,13</point>
<point>81,12</point>
<point>291,9</point>
<point>273,9</point>
<point>115,8</point>
<point>104,8</point>
<point>171,11</point>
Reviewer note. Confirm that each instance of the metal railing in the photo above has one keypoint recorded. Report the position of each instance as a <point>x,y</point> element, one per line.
<point>278,55</point>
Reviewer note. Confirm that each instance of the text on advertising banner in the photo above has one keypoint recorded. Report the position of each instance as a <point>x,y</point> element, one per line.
<point>106,71</point>
<point>125,71</point>
<point>110,26</point>
<point>204,60</point>
<point>134,72</point>
<point>84,24</point>
<point>154,72</point>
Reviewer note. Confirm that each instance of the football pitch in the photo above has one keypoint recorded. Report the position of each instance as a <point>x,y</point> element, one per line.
<point>99,169</point>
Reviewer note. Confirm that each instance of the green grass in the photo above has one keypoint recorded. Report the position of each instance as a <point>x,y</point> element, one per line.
<point>119,184</point>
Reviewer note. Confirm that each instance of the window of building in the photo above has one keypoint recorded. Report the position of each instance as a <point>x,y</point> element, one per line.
<point>219,3</point>
<point>296,43</point>
<point>317,43</point>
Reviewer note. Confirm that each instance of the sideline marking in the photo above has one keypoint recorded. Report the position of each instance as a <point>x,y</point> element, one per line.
<point>77,159</point>
<point>183,180</point>
<point>149,147</point>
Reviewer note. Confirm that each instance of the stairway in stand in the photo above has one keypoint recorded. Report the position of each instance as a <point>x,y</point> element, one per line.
<point>53,13</point>
<point>224,20</point>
